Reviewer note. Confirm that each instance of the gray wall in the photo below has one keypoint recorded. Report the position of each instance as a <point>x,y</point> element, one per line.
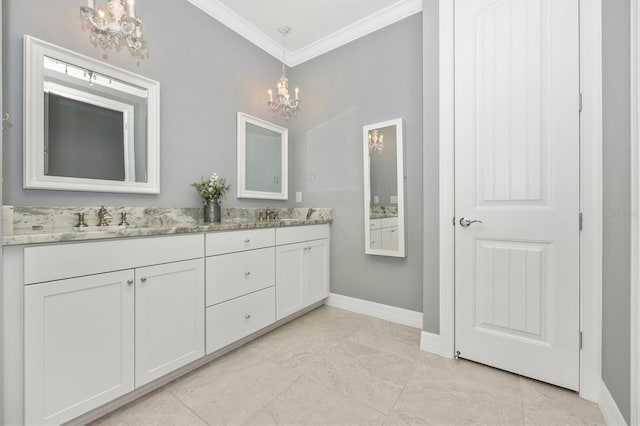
<point>202,88</point>
<point>430,87</point>
<point>616,370</point>
<point>375,78</point>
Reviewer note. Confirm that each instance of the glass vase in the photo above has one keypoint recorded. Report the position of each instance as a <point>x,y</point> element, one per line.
<point>212,211</point>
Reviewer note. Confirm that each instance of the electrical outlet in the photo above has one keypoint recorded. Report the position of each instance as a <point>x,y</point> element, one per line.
<point>298,197</point>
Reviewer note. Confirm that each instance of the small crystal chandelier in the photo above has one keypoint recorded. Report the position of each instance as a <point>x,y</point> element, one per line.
<point>124,26</point>
<point>376,142</point>
<point>283,103</point>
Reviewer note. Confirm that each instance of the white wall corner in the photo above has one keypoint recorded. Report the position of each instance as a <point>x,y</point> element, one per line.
<point>430,343</point>
<point>377,310</point>
<point>610,411</point>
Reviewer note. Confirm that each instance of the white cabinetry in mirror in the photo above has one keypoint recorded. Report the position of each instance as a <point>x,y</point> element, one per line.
<point>384,189</point>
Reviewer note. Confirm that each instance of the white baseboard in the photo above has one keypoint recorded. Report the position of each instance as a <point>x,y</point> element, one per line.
<point>430,342</point>
<point>377,310</point>
<point>609,408</point>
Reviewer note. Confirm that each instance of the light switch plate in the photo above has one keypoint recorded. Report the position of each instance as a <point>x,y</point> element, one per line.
<point>376,199</point>
<point>298,197</point>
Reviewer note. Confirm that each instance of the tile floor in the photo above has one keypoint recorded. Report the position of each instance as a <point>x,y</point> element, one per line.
<point>335,367</point>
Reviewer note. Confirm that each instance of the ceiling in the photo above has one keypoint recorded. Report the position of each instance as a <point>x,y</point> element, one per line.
<point>317,26</point>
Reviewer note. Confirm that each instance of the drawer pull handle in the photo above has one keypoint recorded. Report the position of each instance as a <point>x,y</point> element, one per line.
<point>247,316</point>
<point>247,240</point>
<point>130,281</point>
<point>246,274</point>
<point>143,279</point>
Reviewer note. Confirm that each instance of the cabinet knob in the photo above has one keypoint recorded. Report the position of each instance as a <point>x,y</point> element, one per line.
<point>247,316</point>
<point>130,281</point>
<point>248,240</point>
<point>246,274</point>
<point>143,279</point>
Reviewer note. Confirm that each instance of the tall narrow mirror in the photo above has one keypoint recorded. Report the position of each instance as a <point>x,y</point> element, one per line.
<point>384,210</point>
<point>262,159</point>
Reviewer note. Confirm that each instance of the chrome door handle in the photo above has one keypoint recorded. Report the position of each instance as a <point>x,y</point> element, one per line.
<point>464,222</point>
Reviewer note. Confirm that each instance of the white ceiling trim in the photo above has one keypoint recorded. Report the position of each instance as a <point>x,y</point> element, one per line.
<point>237,23</point>
<point>380,19</point>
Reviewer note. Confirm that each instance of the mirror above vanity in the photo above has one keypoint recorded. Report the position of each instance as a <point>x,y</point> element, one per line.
<point>384,190</point>
<point>262,159</point>
<point>89,126</point>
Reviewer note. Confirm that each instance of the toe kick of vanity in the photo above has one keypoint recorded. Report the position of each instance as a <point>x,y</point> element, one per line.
<point>107,321</point>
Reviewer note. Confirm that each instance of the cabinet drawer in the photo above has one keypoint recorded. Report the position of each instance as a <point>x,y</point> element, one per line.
<point>296,234</point>
<point>375,224</point>
<point>235,319</point>
<point>234,241</point>
<point>236,274</point>
<point>54,262</point>
<point>388,222</point>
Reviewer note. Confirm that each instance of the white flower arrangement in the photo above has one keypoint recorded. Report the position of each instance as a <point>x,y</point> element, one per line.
<point>213,189</point>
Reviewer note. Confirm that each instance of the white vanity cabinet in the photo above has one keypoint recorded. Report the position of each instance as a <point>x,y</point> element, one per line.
<point>79,345</point>
<point>302,268</point>
<point>89,339</point>
<point>169,318</point>
<point>240,285</point>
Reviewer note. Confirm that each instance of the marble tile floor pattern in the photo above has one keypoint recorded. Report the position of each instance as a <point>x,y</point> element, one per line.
<point>334,367</point>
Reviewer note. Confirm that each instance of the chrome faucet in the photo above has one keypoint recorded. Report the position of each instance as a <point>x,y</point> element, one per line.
<point>104,217</point>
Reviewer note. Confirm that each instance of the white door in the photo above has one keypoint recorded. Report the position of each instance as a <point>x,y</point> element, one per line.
<point>169,318</point>
<point>517,170</point>
<point>78,345</point>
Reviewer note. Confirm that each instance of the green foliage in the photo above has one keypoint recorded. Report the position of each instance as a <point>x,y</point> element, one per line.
<point>215,188</point>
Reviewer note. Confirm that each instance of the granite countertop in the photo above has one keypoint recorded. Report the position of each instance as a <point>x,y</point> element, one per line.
<point>382,212</point>
<point>34,225</point>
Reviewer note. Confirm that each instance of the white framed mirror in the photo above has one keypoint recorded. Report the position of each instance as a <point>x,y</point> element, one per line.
<point>89,126</point>
<point>384,189</point>
<point>262,159</point>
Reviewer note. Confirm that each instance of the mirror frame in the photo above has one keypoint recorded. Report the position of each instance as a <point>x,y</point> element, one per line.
<point>34,178</point>
<point>402,240</point>
<point>243,192</point>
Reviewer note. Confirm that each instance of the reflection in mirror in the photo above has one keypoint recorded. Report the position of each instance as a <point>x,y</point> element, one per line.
<point>384,189</point>
<point>262,159</point>
<point>90,126</point>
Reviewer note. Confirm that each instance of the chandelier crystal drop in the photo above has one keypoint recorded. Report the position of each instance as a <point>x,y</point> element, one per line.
<point>123,27</point>
<point>283,103</point>
<point>376,142</point>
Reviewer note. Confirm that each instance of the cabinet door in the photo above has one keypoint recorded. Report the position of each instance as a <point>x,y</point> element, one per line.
<point>376,239</point>
<point>79,345</point>
<point>289,279</point>
<point>169,318</point>
<point>317,271</point>
<point>389,237</point>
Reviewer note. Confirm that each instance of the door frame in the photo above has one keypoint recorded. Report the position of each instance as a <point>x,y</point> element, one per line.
<point>635,208</point>
<point>590,190</point>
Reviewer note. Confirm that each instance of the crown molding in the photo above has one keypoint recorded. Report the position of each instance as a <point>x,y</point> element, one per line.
<point>374,22</point>
<point>237,23</point>
<point>378,20</point>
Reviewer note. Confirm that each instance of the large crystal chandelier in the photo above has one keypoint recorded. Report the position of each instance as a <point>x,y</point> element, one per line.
<point>376,142</point>
<point>123,28</point>
<point>283,103</point>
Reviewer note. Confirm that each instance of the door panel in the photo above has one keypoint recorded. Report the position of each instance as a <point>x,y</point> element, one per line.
<point>79,345</point>
<point>169,318</point>
<point>517,170</point>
